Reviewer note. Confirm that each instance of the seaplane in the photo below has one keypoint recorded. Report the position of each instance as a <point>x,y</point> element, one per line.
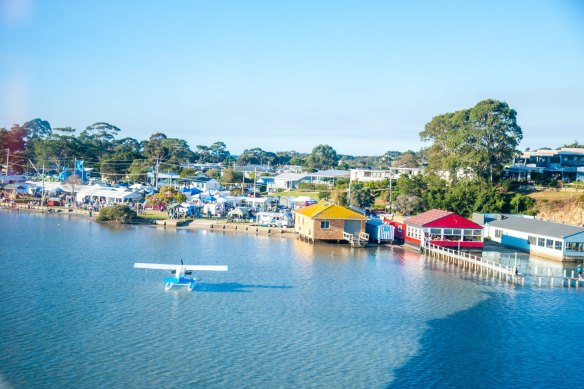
<point>179,272</point>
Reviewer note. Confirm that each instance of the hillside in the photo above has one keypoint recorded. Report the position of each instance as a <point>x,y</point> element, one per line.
<point>568,211</point>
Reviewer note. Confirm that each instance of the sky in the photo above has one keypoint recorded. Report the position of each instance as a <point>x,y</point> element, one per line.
<point>362,76</point>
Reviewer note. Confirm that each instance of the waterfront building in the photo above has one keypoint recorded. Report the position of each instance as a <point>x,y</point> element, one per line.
<point>444,228</point>
<point>547,239</point>
<point>566,164</point>
<point>329,222</point>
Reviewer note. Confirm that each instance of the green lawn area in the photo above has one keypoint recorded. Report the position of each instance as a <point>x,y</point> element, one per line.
<point>297,193</point>
<point>155,215</point>
<point>554,195</point>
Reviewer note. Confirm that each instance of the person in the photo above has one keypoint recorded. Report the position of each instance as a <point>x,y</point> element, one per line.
<point>580,271</point>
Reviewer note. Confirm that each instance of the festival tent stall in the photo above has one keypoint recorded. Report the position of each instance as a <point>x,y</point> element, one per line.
<point>240,213</point>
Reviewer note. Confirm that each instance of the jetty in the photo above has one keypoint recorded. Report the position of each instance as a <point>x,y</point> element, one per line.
<point>540,277</point>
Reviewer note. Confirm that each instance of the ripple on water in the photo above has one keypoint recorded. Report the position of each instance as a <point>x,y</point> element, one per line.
<point>287,314</point>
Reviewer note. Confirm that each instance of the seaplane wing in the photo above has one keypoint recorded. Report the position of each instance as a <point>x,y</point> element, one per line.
<point>164,266</point>
<point>159,266</point>
<point>206,267</point>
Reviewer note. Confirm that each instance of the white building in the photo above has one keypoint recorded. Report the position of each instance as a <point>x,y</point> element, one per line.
<point>544,238</point>
<point>367,175</point>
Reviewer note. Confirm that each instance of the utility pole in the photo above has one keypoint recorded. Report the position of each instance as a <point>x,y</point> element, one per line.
<point>349,197</point>
<point>156,173</point>
<point>7,160</point>
<point>390,196</point>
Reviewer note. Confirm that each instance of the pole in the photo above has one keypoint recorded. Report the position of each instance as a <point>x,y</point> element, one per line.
<point>43,189</point>
<point>7,160</point>
<point>255,173</point>
<point>390,196</point>
<point>350,181</point>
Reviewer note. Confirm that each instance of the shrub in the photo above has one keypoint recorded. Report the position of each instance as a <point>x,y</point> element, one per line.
<point>117,213</point>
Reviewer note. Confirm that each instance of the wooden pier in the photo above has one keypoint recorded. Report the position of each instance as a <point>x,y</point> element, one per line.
<point>541,277</point>
<point>474,264</point>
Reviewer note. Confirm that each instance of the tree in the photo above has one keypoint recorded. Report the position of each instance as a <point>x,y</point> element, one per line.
<point>37,128</point>
<point>480,139</point>
<point>167,195</point>
<point>363,198</point>
<point>116,213</point>
<point>494,136</point>
<point>231,176</point>
<point>322,157</point>
<point>218,152</point>
<point>138,170</point>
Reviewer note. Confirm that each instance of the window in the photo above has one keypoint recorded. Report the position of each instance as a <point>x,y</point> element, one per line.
<point>325,225</point>
<point>549,243</point>
<point>399,228</point>
<point>435,233</point>
<point>472,235</point>
<point>558,245</point>
<point>574,246</point>
<point>498,233</point>
<point>541,242</point>
<point>532,240</point>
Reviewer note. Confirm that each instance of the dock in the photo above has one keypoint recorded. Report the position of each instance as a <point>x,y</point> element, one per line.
<point>541,277</point>
<point>474,263</point>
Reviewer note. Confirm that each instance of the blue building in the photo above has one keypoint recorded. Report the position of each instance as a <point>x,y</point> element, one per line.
<point>547,239</point>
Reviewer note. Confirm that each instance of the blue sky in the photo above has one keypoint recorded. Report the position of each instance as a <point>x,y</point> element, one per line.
<point>361,76</point>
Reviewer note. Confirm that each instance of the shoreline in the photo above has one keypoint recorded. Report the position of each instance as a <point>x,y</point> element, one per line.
<point>212,224</point>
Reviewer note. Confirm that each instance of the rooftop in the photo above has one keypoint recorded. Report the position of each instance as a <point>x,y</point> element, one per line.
<point>538,227</point>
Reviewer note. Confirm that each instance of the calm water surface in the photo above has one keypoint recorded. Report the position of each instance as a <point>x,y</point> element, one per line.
<point>74,313</point>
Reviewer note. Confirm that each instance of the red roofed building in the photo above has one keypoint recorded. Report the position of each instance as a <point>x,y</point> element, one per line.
<point>444,228</point>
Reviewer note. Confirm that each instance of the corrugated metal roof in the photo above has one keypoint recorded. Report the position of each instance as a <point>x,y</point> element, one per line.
<point>331,173</point>
<point>537,227</point>
<point>427,217</point>
<point>326,210</point>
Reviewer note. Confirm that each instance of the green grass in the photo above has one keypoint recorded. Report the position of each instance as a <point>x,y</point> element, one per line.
<point>553,195</point>
<point>296,193</point>
<point>154,215</point>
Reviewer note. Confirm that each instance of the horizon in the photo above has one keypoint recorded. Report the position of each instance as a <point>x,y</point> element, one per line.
<point>362,77</point>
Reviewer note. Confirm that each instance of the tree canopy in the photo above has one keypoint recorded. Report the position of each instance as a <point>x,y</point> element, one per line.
<point>478,140</point>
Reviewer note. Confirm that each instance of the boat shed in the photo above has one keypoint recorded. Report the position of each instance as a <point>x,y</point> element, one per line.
<point>379,231</point>
<point>330,222</point>
<point>444,228</point>
<point>547,239</point>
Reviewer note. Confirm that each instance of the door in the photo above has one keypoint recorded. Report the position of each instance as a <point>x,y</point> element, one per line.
<point>353,227</point>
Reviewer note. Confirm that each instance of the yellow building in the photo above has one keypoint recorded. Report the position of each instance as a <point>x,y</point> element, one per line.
<point>329,222</point>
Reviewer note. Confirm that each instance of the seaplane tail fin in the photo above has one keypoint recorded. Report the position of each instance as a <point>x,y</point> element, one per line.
<point>206,267</point>
<point>159,266</point>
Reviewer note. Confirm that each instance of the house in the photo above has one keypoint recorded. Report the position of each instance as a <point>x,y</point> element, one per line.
<point>328,176</point>
<point>547,239</point>
<point>162,179</point>
<point>202,183</point>
<point>287,181</point>
<point>326,221</point>
<point>444,228</point>
<point>566,164</point>
<point>367,175</point>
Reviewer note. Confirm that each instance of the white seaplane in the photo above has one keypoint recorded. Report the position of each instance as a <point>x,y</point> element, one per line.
<point>179,272</point>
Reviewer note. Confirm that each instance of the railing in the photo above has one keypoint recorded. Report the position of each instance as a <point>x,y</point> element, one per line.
<point>539,277</point>
<point>475,263</point>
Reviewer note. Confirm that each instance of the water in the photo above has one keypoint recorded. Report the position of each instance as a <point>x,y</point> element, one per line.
<point>74,313</point>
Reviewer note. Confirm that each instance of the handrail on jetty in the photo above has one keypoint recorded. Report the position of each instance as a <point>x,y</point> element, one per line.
<point>540,276</point>
<point>474,263</point>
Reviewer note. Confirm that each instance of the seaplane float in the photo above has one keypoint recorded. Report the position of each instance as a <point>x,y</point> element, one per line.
<point>179,272</point>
